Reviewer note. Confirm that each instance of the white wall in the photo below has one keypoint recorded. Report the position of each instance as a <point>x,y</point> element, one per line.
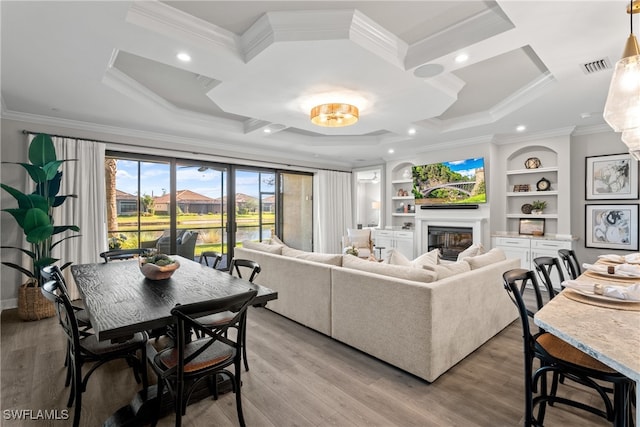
<point>13,148</point>
<point>597,144</point>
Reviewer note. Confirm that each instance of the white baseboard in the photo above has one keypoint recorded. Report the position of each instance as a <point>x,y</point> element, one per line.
<point>6,304</point>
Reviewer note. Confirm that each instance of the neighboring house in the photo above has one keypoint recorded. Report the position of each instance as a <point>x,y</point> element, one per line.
<point>245,202</point>
<point>126,204</point>
<point>269,204</point>
<point>188,202</point>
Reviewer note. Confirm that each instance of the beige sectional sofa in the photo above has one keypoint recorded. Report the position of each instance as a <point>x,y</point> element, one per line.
<point>422,328</point>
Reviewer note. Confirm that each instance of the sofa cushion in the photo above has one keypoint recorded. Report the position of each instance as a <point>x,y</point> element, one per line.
<point>263,247</point>
<point>491,257</point>
<point>473,250</point>
<point>395,257</point>
<point>397,271</point>
<point>331,259</point>
<point>447,270</point>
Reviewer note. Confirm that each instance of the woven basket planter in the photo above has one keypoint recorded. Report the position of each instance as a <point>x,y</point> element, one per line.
<point>32,305</point>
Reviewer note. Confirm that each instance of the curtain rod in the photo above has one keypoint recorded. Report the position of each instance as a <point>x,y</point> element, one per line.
<point>25,132</point>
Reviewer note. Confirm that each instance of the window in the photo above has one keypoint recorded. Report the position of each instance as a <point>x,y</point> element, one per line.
<point>149,198</point>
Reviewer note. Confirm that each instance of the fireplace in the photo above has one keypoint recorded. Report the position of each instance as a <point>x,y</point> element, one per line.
<point>450,240</point>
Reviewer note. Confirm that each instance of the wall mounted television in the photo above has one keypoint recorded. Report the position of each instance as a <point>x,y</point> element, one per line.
<point>450,184</point>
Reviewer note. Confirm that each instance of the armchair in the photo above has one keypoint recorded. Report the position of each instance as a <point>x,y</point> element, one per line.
<point>185,244</point>
<point>360,239</point>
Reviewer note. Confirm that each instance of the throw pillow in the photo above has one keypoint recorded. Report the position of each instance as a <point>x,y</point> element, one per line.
<point>397,271</point>
<point>291,252</point>
<point>491,257</point>
<point>447,270</point>
<point>473,250</point>
<point>262,247</point>
<point>429,258</point>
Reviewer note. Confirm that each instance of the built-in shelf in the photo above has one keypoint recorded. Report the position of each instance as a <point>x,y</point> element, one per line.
<point>402,181</point>
<point>403,214</point>
<point>532,193</point>
<point>550,216</point>
<point>538,170</point>
<point>402,198</point>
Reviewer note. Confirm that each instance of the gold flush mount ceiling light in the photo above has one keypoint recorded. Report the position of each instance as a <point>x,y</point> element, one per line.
<point>334,115</point>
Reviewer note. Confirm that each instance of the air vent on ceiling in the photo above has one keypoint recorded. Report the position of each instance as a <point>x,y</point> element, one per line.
<point>596,66</point>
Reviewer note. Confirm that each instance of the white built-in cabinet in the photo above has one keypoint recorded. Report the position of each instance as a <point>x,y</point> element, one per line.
<point>528,249</point>
<point>400,240</point>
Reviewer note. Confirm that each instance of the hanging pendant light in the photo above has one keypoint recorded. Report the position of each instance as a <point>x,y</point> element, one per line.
<point>622,109</point>
<point>631,138</point>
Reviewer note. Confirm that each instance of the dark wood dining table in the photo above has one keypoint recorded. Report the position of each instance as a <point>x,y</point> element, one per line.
<point>121,302</point>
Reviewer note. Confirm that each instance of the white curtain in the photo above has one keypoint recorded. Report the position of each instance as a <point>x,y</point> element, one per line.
<point>84,178</point>
<point>334,210</point>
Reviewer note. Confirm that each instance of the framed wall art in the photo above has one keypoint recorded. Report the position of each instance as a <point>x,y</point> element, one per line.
<point>611,177</point>
<point>612,227</point>
<point>532,227</point>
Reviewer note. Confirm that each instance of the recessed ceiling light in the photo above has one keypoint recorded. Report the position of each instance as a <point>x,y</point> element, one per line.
<point>266,130</point>
<point>184,57</point>
<point>411,131</point>
<point>391,151</point>
<point>521,128</point>
<point>462,57</point>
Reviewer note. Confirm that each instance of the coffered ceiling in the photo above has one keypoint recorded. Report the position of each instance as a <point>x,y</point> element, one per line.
<point>258,67</point>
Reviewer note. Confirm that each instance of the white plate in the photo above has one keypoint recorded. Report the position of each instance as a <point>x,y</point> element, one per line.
<point>602,297</point>
<point>619,259</point>
<point>614,276</point>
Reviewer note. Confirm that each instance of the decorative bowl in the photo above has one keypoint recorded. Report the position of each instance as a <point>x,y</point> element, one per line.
<point>153,271</point>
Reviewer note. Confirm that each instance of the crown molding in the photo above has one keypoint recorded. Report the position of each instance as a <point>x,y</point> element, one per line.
<point>590,130</point>
<point>166,20</point>
<point>482,26</point>
<point>535,136</point>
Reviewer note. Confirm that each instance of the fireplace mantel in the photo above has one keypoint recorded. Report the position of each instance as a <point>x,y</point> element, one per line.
<point>423,223</point>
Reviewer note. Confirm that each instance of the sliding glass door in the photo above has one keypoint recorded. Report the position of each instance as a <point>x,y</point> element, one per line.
<point>195,206</point>
<point>255,209</point>
<point>200,205</point>
<point>134,217</point>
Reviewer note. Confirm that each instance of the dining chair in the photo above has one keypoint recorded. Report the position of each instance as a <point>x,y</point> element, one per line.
<point>236,267</point>
<point>570,261</point>
<point>182,366</point>
<point>561,359</point>
<point>205,255</point>
<point>545,266</point>
<point>53,272</point>
<point>87,349</point>
<point>122,254</point>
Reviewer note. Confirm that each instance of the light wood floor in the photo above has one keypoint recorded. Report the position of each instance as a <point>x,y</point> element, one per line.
<point>298,377</point>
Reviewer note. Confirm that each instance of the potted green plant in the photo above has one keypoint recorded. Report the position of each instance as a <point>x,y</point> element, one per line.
<point>537,206</point>
<point>34,216</point>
